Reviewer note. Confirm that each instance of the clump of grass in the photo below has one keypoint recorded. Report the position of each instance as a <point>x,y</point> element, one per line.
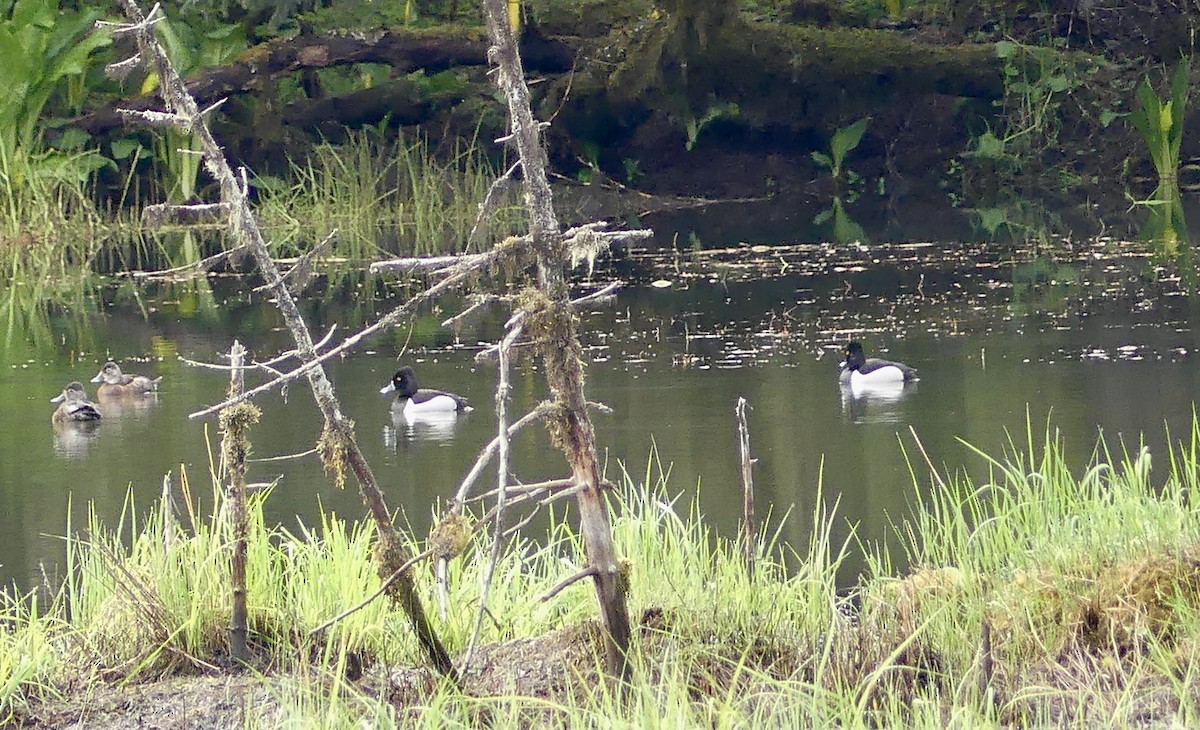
<point>1036,597</point>
<point>395,196</point>
<point>28,654</point>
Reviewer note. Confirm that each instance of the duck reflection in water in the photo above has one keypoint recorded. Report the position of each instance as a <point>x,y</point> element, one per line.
<point>74,421</point>
<point>131,407</point>
<point>74,439</point>
<point>435,428</point>
<point>875,403</point>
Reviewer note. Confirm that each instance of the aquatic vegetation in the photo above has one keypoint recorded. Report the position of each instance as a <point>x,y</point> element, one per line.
<point>385,195</point>
<point>1160,123</point>
<point>695,124</point>
<point>41,47</point>
<point>844,228</point>
<point>842,143</point>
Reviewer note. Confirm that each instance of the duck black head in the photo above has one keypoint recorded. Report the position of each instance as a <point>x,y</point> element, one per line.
<point>403,382</point>
<point>854,355</point>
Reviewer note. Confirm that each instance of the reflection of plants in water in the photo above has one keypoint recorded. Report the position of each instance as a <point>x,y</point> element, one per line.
<point>1022,220</point>
<point>42,317</point>
<point>1166,230</point>
<point>845,228</point>
<point>842,143</point>
<point>1160,124</point>
<point>1043,284</point>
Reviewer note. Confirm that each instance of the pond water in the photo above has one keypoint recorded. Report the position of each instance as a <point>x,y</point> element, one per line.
<point>1092,337</point>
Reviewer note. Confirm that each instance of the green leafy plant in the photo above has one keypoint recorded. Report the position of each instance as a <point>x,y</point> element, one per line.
<point>41,46</point>
<point>1160,123</point>
<point>842,143</point>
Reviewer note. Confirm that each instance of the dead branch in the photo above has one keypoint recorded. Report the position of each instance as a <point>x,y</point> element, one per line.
<point>161,215</point>
<point>338,438</point>
<point>433,264</point>
<point>485,455</point>
<point>548,485</point>
<point>441,574</point>
<point>568,582</point>
<point>390,319</point>
<point>285,355</point>
<point>383,587</point>
<point>235,447</point>
<point>749,541</point>
<point>600,295</point>
<point>479,301</point>
<point>403,51</point>
<point>560,351</point>
<point>283,457</point>
<point>491,202</point>
<point>194,269</point>
<point>502,394</point>
<point>167,514</point>
<point>301,273</point>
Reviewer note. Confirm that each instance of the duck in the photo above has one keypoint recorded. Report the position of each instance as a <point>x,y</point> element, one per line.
<point>858,369</point>
<point>74,407</point>
<point>413,400</point>
<point>115,383</point>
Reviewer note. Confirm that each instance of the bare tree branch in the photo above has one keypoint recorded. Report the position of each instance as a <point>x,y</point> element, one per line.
<point>568,582</point>
<point>560,350</point>
<point>502,393</point>
<point>339,449</point>
<point>389,320</point>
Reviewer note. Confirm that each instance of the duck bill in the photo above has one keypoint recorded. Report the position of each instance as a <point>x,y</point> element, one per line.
<point>59,398</point>
<point>99,377</point>
<point>389,388</point>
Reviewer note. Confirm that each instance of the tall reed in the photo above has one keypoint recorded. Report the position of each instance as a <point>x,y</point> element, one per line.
<point>396,195</point>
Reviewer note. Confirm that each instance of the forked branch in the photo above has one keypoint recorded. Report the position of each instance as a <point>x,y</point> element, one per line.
<point>340,450</point>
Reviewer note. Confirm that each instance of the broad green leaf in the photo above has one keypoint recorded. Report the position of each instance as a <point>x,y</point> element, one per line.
<point>122,148</point>
<point>73,139</point>
<point>1058,83</point>
<point>38,13</point>
<point>846,139</point>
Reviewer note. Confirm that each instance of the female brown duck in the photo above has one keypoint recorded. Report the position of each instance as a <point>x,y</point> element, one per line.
<point>74,406</point>
<point>115,383</point>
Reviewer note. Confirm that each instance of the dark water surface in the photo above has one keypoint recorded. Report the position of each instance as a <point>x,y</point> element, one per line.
<point>1092,338</point>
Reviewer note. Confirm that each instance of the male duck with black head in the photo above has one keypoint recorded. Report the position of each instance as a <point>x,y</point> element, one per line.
<point>860,370</point>
<point>116,384</point>
<point>413,400</point>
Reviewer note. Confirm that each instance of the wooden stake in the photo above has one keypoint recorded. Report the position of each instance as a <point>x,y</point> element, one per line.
<point>234,447</point>
<point>749,532</point>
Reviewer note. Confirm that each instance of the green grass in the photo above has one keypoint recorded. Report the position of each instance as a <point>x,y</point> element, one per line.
<point>1084,579</point>
<point>385,196</point>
